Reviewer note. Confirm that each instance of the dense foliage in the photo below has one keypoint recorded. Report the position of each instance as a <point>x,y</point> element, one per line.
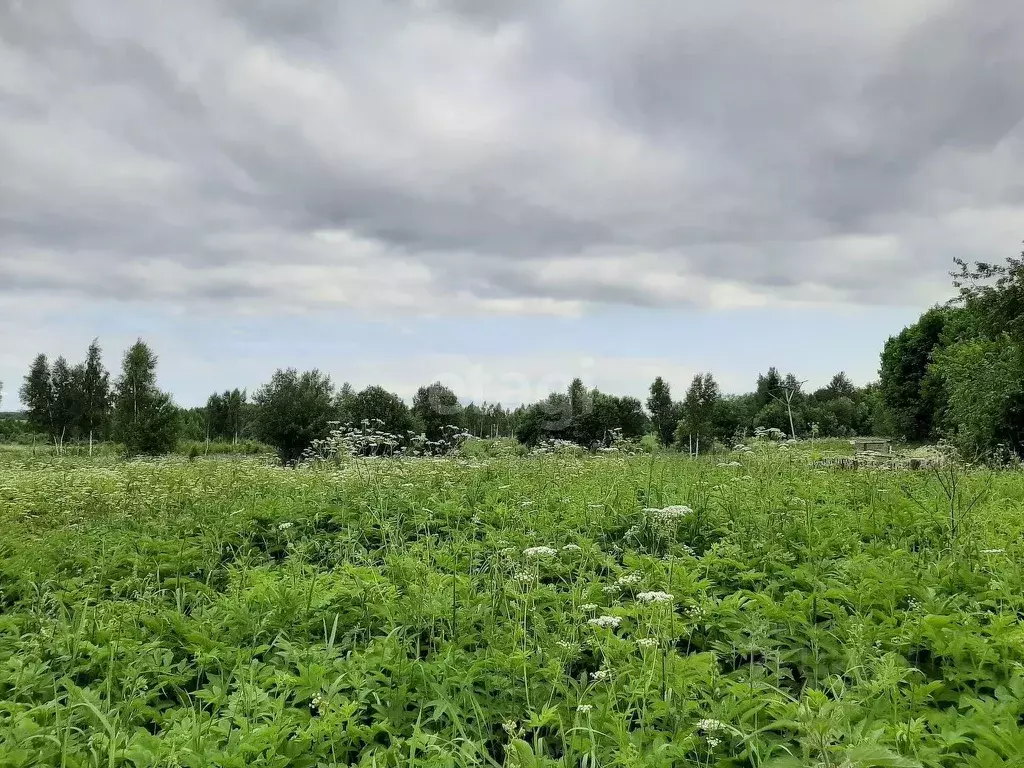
<point>544,611</point>
<point>145,419</point>
<point>293,410</point>
<point>958,372</point>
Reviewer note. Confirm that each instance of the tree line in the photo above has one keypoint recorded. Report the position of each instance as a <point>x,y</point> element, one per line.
<point>78,403</point>
<point>956,374</point>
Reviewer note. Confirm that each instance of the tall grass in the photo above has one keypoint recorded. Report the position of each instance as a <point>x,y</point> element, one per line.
<point>506,610</point>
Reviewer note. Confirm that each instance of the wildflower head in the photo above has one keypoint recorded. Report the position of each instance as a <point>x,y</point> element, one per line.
<point>605,622</point>
<point>628,580</point>
<point>540,552</point>
<point>655,597</point>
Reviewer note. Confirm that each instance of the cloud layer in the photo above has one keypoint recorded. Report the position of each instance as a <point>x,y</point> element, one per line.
<point>534,157</point>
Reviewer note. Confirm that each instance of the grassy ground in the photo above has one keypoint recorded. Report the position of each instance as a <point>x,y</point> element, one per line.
<point>508,611</point>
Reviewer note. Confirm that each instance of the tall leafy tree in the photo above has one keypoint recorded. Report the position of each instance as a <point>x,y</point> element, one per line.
<point>984,385</point>
<point>215,414</point>
<point>345,404</point>
<point>993,295</point>
<point>376,403</point>
<point>911,396</point>
<point>435,407</point>
<point>839,386</point>
<point>37,396</point>
<point>699,406</point>
<point>145,418</point>
<point>293,410</point>
<point>579,398</point>
<point>66,401</point>
<point>768,385</point>
<point>92,385</point>
<point>664,413</point>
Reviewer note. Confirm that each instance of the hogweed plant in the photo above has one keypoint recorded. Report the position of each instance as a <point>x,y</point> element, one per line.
<point>467,607</point>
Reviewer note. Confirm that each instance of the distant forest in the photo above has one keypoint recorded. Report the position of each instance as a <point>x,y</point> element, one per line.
<point>957,374</point>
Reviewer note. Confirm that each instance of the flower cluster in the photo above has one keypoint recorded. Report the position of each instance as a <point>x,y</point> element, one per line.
<point>285,526</point>
<point>655,597</point>
<point>540,552</point>
<point>606,622</point>
<point>513,729</point>
<point>666,520</point>
<point>648,642</point>
<point>709,728</point>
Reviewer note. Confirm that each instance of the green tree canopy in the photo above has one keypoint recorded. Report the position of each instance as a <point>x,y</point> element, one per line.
<point>145,418</point>
<point>293,409</point>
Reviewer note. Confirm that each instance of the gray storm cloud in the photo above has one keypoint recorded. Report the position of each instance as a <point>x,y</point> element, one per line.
<point>486,156</point>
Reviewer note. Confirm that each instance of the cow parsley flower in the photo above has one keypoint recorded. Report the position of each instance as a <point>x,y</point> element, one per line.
<point>572,548</point>
<point>540,552</point>
<point>587,607</point>
<point>655,597</point>
<point>648,642</point>
<point>512,729</point>
<point>601,674</point>
<point>606,622</point>
<point>285,526</point>
<point>585,709</point>
<point>707,725</point>
<point>628,580</point>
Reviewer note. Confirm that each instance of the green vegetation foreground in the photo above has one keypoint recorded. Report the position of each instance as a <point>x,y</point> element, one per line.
<point>547,610</point>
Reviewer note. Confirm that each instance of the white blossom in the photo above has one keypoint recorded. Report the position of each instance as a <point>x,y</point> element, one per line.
<point>655,597</point>
<point>540,552</point>
<point>606,622</point>
<point>628,580</point>
<point>708,725</point>
<point>587,607</point>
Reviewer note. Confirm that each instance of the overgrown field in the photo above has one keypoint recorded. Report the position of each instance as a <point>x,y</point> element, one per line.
<point>547,610</point>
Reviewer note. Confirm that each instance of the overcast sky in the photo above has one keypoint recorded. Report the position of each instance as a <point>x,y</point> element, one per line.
<point>501,194</point>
